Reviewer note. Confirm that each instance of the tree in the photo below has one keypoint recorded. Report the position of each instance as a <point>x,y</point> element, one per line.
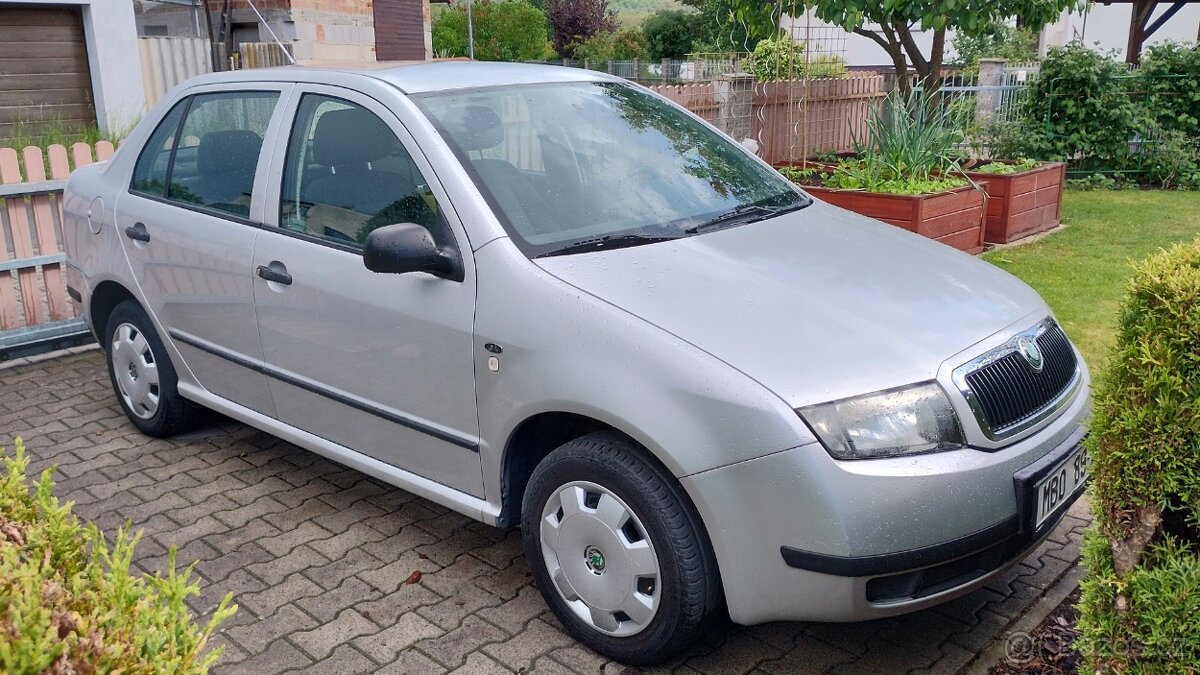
<point>736,25</point>
<point>511,30</point>
<point>574,21</point>
<point>891,24</point>
<point>671,33</point>
<point>624,45</point>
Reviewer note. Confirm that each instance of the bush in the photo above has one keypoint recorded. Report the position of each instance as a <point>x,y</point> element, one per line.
<point>1173,160</point>
<point>1140,605</point>
<point>624,45</point>
<point>574,21</point>
<point>1170,73</point>
<point>508,30</point>
<point>671,33</point>
<point>1083,104</point>
<point>1003,41</point>
<point>69,602</point>
<point>783,58</point>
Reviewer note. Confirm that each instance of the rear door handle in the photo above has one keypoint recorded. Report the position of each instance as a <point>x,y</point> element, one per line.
<point>274,275</point>
<point>137,232</point>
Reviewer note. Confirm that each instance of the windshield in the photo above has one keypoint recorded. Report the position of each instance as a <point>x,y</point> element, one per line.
<point>581,166</point>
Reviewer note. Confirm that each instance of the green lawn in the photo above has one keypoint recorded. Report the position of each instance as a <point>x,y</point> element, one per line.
<point>1081,270</point>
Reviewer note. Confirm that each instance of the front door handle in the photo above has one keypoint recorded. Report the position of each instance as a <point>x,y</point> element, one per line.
<point>137,232</point>
<point>274,275</point>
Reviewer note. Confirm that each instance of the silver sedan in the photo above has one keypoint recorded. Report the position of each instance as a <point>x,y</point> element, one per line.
<point>551,299</point>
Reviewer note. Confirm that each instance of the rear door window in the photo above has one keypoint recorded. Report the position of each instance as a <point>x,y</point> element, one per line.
<point>210,159</point>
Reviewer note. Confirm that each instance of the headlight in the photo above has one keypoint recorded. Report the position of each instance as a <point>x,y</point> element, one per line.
<point>906,421</point>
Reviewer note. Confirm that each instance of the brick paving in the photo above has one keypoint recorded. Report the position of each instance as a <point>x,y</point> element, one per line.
<point>318,557</point>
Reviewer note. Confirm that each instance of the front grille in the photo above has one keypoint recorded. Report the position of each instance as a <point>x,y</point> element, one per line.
<point>1009,391</point>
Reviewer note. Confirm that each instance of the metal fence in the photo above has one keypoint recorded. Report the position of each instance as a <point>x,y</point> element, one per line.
<point>699,68</point>
<point>167,61</point>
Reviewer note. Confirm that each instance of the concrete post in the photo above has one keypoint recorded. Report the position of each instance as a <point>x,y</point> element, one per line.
<point>735,98</point>
<point>989,97</point>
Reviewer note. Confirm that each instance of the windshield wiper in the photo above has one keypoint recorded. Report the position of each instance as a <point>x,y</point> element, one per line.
<point>748,213</point>
<point>610,241</point>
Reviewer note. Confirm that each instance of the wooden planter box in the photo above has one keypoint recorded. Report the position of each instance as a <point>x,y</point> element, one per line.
<point>1022,204</point>
<point>954,218</point>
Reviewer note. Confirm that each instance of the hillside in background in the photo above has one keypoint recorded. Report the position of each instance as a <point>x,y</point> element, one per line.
<point>633,11</point>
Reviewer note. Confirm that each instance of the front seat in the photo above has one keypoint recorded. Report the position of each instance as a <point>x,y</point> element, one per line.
<point>477,128</point>
<point>225,164</point>
<point>345,143</point>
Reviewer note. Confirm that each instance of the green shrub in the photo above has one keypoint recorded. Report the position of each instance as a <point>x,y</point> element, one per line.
<point>623,45</point>
<point>1140,604</point>
<point>69,601</point>
<point>508,30</point>
<point>671,33</point>
<point>1170,74</point>
<point>1173,160</point>
<point>1082,101</point>
<point>1002,41</point>
<point>782,58</point>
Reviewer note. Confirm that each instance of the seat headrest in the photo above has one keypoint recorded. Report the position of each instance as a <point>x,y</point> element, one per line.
<point>221,151</point>
<point>351,136</point>
<point>474,127</point>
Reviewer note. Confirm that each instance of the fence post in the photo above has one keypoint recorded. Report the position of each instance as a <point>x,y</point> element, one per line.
<point>637,70</point>
<point>610,67</point>
<point>988,98</point>
<point>735,96</point>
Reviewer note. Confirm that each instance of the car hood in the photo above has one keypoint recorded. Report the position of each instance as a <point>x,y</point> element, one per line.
<point>816,305</point>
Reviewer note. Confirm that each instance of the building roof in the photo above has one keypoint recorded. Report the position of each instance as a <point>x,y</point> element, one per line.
<point>415,77</point>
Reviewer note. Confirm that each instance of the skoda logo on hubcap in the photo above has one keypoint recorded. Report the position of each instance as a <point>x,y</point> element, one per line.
<point>1030,352</point>
<point>594,559</point>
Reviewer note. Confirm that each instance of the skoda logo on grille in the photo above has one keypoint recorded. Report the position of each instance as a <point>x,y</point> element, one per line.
<point>1030,351</point>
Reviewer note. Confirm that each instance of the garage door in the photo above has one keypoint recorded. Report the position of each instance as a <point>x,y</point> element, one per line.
<point>44,79</point>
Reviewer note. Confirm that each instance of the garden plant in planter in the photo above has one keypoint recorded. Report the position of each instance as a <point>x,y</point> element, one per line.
<point>907,173</point>
<point>1024,197</point>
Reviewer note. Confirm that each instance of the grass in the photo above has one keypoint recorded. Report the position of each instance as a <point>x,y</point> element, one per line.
<point>60,132</point>
<point>1082,271</point>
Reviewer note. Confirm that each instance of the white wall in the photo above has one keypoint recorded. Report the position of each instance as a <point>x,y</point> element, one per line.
<point>116,68</point>
<point>856,49</point>
<point>1108,25</point>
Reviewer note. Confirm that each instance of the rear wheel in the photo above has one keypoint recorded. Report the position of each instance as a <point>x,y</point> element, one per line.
<point>618,551</point>
<point>143,376</point>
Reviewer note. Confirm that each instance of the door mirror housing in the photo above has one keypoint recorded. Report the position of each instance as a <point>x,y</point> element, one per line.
<point>406,247</point>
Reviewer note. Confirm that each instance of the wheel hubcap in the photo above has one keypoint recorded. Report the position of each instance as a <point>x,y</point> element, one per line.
<point>601,558</point>
<point>135,370</point>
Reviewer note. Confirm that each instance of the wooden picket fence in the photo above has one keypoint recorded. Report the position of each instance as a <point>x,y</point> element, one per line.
<point>34,307</point>
<point>791,120</point>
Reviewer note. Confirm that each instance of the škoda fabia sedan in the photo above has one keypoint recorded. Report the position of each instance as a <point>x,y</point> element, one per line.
<point>550,299</point>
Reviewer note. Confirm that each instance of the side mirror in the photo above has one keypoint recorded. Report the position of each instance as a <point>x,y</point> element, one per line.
<point>404,248</point>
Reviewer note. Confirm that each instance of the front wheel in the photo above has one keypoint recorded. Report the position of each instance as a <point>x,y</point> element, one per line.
<point>143,376</point>
<point>618,551</point>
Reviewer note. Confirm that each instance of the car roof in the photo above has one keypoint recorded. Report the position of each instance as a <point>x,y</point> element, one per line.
<point>415,77</point>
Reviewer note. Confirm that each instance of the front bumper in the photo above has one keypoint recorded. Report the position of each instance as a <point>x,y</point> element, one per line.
<point>800,536</point>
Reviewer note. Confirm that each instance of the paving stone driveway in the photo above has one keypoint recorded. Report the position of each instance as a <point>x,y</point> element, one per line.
<point>322,559</point>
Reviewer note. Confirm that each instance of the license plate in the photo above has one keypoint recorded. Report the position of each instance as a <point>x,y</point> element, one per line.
<point>1053,490</point>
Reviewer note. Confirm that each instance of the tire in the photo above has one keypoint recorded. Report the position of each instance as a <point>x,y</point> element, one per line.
<point>142,375</point>
<point>618,550</point>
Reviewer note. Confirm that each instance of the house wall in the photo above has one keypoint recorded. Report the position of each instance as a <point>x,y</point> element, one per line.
<point>116,69</point>
<point>1108,25</point>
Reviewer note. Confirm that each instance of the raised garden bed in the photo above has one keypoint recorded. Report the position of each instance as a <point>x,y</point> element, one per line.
<point>1024,203</point>
<point>953,217</point>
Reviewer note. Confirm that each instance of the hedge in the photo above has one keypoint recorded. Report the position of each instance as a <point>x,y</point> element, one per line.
<point>1140,604</point>
<point>69,602</point>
